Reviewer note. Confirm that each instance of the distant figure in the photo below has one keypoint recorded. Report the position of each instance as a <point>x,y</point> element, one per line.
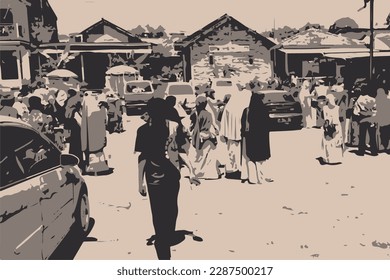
<point>72,122</point>
<point>114,113</point>
<point>293,79</point>
<point>230,131</point>
<point>204,140</point>
<point>21,108</point>
<point>320,92</point>
<point>383,117</point>
<point>365,111</point>
<point>332,140</point>
<point>36,117</point>
<point>338,86</point>
<point>161,175</point>
<point>212,106</point>
<point>6,108</point>
<point>305,100</point>
<point>221,107</point>
<point>255,129</point>
<point>93,134</point>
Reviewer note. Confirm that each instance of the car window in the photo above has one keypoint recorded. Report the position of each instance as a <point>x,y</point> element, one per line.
<point>180,89</point>
<point>139,87</point>
<point>224,84</point>
<point>24,153</point>
<point>278,97</point>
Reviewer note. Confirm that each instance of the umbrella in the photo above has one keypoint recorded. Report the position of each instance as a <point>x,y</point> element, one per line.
<point>121,70</point>
<point>61,73</point>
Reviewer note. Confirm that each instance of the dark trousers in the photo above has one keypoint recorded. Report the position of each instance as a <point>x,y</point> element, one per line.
<point>385,136</point>
<point>163,202</point>
<point>75,143</point>
<point>371,129</point>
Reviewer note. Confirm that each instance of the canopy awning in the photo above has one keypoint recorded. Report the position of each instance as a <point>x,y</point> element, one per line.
<point>322,50</point>
<point>122,70</point>
<point>61,73</point>
<point>347,56</point>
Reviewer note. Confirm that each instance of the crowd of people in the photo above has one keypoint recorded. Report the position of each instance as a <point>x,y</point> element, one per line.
<point>232,138</point>
<point>232,134</point>
<point>75,121</point>
<point>346,116</point>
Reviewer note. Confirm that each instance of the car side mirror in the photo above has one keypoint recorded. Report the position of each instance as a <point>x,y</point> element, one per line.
<point>68,160</point>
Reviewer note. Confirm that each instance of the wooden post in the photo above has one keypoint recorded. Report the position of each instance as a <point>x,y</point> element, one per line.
<point>371,39</point>
<point>82,67</point>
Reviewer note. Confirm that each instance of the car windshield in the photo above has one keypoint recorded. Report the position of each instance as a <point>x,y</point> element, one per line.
<point>278,97</point>
<point>180,89</point>
<point>138,87</point>
<point>223,83</point>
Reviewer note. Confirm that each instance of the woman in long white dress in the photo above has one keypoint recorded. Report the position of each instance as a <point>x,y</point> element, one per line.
<point>305,100</point>
<point>332,140</point>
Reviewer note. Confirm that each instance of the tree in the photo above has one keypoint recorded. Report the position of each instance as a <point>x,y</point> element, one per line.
<point>388,20</point>
<point>343,24</point>
<point>160,32</point>
<point>138,31</point>
<point>282,33</point>
<point>311,26</point>
<point>41,32</point>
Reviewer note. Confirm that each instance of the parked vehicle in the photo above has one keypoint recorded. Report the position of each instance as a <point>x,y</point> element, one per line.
<point>284,110</point>
<point>184,93</point>
<point>222,87</point>
<point>136,96</point>
<point>43,197</point>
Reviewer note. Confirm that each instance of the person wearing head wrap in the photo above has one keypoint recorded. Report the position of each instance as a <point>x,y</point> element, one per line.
<point>305,100</point>
<point>230,130</point>
<point>255,128</point>
<point>160,172</point>
<point>204,141</point>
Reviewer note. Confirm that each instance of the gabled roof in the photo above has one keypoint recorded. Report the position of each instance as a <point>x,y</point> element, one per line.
<point>222,21</point>
<point>315,38</point>
<point>104,22</point>
<point>43,5</point>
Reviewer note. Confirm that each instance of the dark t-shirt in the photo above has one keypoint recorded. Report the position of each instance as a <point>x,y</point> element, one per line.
<point>151,141</point>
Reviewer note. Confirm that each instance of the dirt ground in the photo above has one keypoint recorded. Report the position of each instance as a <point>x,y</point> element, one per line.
<point>310,211</point>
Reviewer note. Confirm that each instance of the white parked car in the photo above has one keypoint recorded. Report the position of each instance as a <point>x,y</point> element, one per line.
<point>184,93</point>
<point>137,95</point>
<point>222,87</point>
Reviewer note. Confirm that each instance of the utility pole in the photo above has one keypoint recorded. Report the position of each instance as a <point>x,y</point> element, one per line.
<point>371,39</point>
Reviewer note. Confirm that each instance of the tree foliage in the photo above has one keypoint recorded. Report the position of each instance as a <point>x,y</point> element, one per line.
<point>345,23</point>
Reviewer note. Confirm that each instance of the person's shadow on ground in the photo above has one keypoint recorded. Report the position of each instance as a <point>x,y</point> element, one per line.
<point>179,237</point>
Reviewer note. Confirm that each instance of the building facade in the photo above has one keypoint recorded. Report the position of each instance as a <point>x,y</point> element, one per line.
<point>222,49</point>
<point>93,51</point>
<point>24,24</point>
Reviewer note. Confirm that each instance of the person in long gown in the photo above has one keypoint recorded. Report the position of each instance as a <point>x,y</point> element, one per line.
<point>305,98</point>
<point>332,140</point>
<point>230,131</point>
<point>255,129</point>
<point>204,140</point>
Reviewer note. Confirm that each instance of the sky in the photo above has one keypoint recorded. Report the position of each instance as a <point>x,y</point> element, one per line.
<point>190,16</point>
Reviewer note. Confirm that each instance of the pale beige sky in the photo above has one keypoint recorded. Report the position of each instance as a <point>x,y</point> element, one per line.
<point>189,16</point>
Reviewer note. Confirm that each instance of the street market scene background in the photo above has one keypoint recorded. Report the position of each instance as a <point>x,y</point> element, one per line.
<point>284,107</point>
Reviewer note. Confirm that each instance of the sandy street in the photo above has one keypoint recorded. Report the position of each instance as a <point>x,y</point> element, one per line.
<point>309,211</point>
